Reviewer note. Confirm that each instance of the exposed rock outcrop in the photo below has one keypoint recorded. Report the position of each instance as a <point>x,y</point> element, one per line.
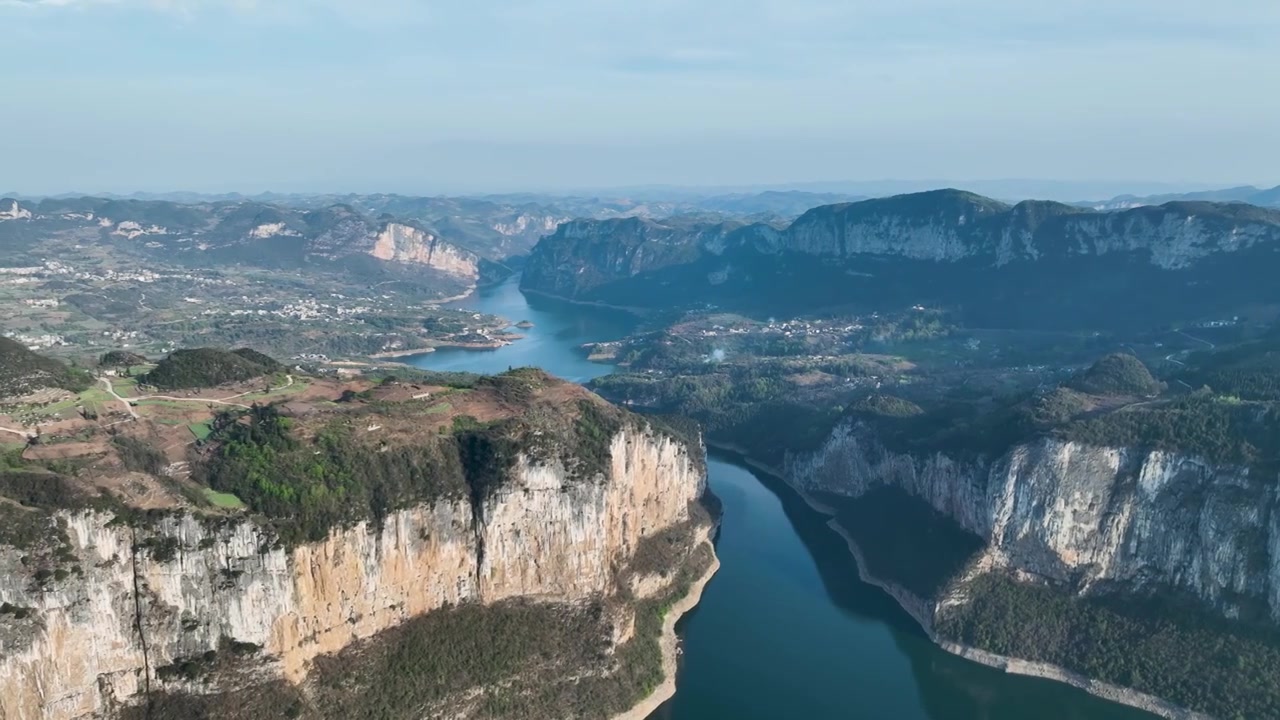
<point>12,210</point>
<point>1088,517</point>
<point>92,642</point>
<point>408,244</point>
<point>1001,263</point>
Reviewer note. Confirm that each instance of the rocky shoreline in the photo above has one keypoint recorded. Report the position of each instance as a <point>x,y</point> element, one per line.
<point>670,641</point>
<point>921,611</point>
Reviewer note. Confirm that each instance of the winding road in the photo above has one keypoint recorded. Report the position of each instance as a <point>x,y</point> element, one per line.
<point>106,385</point>
<point>128,402</point>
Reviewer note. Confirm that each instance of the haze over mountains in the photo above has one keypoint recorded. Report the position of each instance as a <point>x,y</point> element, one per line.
<point>791,249</point>
<point>1036,263</point>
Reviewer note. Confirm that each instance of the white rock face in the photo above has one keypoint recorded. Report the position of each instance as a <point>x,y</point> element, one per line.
<point>525,224</point>
<point>405,244</point>
<point>540,536</point>
<point>1084,515</point>
<point>130,229</point>
<point>1176,241</point>
<point>14,212</point>
<point>1173,240</point>
<point>268,230</point>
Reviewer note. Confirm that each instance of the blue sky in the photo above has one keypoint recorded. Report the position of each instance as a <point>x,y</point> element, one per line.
<point>464,96</point>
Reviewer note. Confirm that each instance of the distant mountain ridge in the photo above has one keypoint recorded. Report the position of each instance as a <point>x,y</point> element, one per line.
<point>496,228</point>
<point>1247,194</point>
<point>337,237</point>
<point>947,247</point>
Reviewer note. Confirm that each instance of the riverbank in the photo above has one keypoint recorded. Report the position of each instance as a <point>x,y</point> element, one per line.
<point>745,456</point>
<point>491,344</point>
<point>921,611</point>
<point>670,642</point>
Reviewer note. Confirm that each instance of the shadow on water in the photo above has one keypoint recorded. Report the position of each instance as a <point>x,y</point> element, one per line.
<point>786,629</point>
<point>553,343</point>
<point>946,687</point>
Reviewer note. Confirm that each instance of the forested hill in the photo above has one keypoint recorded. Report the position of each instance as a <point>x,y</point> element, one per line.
<point>209,367</point>
<point>23,371</point>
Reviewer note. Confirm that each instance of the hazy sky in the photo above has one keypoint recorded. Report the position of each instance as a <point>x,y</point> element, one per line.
<point>466,95</point>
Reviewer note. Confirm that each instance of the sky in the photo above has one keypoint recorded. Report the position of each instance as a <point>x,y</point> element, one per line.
<point>433,96</point>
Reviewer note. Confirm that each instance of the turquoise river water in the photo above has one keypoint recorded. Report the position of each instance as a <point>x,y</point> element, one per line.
<point>785,629</point>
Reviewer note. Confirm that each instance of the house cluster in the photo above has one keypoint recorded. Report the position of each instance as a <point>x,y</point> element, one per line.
<point>122,338</point>
<point>786,328</point>
<point>38,342</point>
<point>306,310</point>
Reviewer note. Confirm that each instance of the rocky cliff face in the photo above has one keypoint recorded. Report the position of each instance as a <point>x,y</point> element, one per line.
<point>936,247</point>
<point>948,226</point>
<point>407,244</point>
<point>255,233</point>
<point>11,210</point>
<point>145,599</point>
<point>586,254</point>
<point>1088,517</point>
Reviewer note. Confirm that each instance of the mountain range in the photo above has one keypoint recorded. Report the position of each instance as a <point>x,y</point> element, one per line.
<point>1244,194</point>
<point>1000,264</point>
<point>336,238</point>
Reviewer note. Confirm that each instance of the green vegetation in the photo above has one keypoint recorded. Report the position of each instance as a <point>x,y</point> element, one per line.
<point>594,430</point>
<point>445,653</point>
<point>1249,372</point>
<point>1219,429</point>
<point>905,541</point>
<point>23,372</point>
<point>207,367</point>
<point>122,359</point>
<point>201,431</point>
<point>1223,668</point>
<point>747,405</point>
<point>509,661</point>
<point>226,501</point>
<point>309,487</point>
<point>139,455</point>
<point>331,476</point>
<point>29,497</point>
<point>528,660</point>
<point>253,356</point>
<point>162,548</point>
<point>1118,374</point>
<point>879,405</point>
<point>251,701</point>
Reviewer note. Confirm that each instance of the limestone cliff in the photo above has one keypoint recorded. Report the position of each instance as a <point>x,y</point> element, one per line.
<point>87,644</point>
<point>1003,264</point>
<point>585,254</point>
<point>10,209</point>
<point>1087,517</point>
<point>407,244</point>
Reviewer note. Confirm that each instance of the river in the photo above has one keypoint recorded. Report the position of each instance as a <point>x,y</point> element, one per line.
<point>785,629</point>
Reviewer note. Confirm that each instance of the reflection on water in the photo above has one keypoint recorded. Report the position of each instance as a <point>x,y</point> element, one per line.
<point>553,343</point>
<point>785,629</point>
